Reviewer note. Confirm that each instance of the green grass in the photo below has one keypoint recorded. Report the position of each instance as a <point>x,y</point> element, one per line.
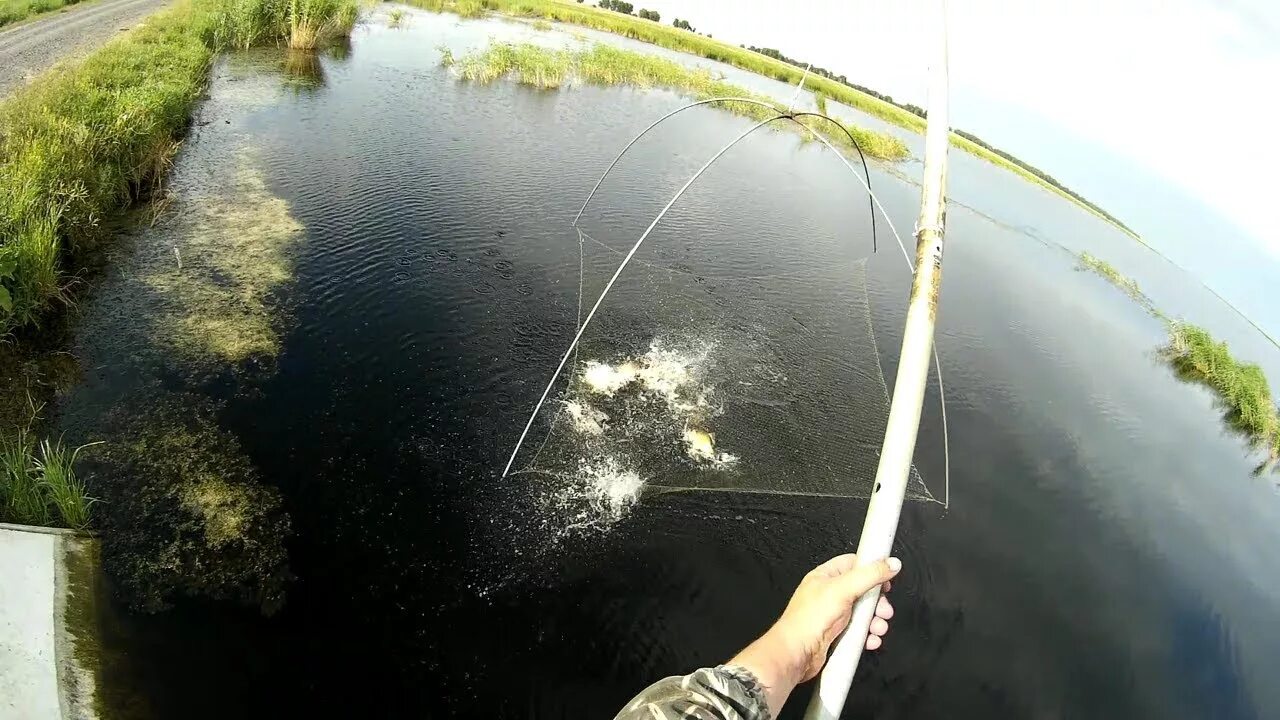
<point>88,139</point>
<point>38,483</point>
<point>1242,387</point>
<point>604,65</point>
<point>12,11</point>
<point>395,17</point>
<point>22,500</point>
<point>693,43</point>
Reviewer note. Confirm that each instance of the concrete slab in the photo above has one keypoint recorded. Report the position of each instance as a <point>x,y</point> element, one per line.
<point>48,638</point>
<point>28,661</point>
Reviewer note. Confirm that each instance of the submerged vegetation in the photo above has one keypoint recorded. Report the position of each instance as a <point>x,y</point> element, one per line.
<point>189,515</point>
<point>604,65</point>
<point>236,237</point>
<point>1242,387</point>
<point>755,60</point>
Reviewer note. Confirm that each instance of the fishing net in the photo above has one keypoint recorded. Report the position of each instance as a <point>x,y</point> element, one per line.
<point>726,356</point>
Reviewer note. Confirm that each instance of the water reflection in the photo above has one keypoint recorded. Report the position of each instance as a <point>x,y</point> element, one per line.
<point>1105,553</point>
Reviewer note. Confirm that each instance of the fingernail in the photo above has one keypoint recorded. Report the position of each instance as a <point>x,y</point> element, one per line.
<point>895,564</point>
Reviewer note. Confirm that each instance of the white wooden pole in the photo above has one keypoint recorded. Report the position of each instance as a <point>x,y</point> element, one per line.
<point>881,524</point>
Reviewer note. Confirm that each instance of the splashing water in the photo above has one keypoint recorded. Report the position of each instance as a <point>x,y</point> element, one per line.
<point>612,488</point>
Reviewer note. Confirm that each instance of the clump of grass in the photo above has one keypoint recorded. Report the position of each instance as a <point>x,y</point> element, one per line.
<point>541,25</point>
<point>395,17</point>
<point>22,500</point>
<point>532,65</point>
<point>38,483</point>
<point>820,101</point>
<point>604,65</point>
<point>1242,387</point>
<point>313,23</point>
<point>64,490</point>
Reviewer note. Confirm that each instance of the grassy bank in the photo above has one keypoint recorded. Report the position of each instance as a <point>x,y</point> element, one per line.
<point>86,140</point>
<point>77,146</point>
<point>12,11</point>
<point>604,65</point>
<point>690,42</point>
<point>1242,387</point>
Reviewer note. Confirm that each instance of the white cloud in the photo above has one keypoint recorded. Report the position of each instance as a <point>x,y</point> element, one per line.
<point>1184,88</point>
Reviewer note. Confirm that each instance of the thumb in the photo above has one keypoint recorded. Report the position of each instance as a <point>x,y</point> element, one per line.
<point>862,578</point>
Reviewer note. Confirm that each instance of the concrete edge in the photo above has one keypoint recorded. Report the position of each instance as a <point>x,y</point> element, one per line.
<point>77,651</point>
<point>45,530</point>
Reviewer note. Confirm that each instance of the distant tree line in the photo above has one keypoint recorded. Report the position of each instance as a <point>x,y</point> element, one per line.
<point>626,8</point>
<point>683,25</point>
<point>617,6</point>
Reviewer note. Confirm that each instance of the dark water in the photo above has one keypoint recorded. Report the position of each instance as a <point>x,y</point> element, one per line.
<point>1107,552</point>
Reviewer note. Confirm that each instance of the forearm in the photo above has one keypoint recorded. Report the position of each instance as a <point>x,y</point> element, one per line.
<point>775,665</point>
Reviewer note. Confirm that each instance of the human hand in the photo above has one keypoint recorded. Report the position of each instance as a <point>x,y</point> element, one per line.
<point>795,648</point>
<point>822,605</point>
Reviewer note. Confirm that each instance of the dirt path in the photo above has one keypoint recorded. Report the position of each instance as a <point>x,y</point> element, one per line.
<point>33,47</point>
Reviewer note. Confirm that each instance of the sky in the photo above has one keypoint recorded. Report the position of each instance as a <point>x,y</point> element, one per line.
<point>1157,111</point>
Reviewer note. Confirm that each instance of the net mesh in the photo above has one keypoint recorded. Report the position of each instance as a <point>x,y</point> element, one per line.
<point>717,361</point>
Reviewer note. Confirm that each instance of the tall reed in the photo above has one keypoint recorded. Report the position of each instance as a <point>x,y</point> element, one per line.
<point>62,488</point>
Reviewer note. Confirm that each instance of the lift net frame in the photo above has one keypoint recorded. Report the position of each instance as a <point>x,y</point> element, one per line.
<point>695,378</point>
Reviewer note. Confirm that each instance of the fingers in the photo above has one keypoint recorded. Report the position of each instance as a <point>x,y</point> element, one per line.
<point>876,631</point>
<point>879,626</point>
<point>884,609</point>
<point>862,578</point>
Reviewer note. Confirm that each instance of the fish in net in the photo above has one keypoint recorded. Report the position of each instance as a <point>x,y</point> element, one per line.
<point>714,357</point>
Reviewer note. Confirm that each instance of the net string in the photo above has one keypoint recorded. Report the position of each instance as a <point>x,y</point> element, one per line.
<point>622,266</point>
<point>874,199</point>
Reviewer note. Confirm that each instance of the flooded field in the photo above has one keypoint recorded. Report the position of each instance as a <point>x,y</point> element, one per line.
<point>311,361</point>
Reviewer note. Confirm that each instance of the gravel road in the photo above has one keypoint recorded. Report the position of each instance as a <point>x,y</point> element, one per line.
<point>30,48</point>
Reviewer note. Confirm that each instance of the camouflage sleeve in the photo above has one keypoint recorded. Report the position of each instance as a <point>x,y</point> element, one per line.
<point>726,692</point>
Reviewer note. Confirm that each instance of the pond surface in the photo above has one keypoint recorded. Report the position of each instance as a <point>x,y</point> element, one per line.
<point>1107,551</point>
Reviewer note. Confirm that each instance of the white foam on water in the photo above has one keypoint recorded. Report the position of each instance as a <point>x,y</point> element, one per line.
<point>670,374</point>
<point>613,488</point>
<point>603,379</point>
